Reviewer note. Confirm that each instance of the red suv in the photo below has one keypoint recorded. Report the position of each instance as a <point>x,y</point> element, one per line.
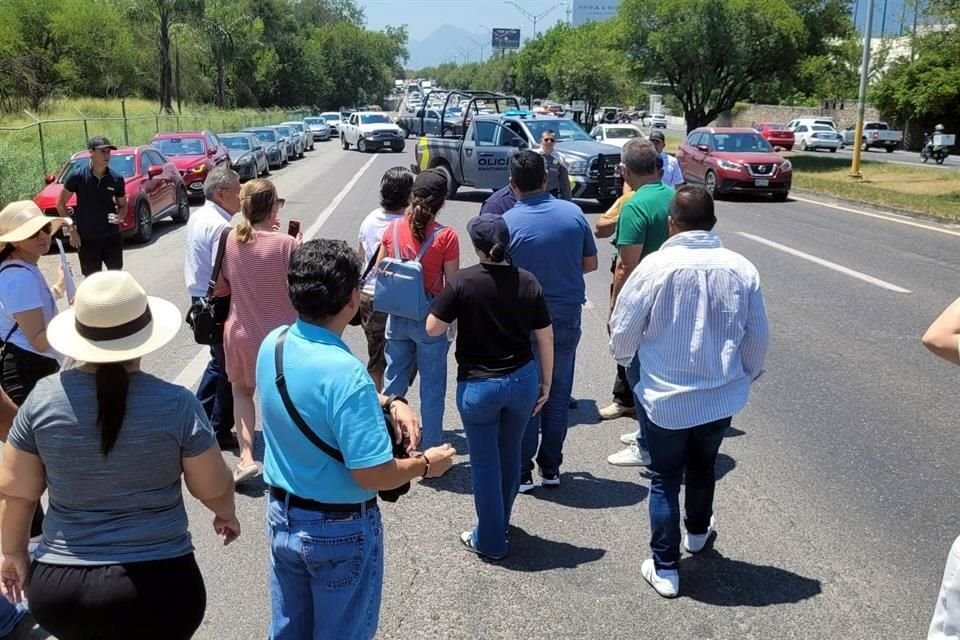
<point>729,160</point>
<point>776,134</point>
<point>195,154</point>
<point>152,184</point>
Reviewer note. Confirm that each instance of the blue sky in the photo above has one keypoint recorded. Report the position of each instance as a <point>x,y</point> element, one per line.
<point>423,17</point>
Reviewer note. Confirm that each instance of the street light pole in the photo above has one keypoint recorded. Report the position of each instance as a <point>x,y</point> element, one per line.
<point>862,99</point>
<point>531,16</point>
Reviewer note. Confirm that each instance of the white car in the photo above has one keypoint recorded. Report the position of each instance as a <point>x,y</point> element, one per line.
<point>333,121</point>
<point>658,121</point>
<point>371,130</point>
<point>809,137</point>
<point>616,134</point>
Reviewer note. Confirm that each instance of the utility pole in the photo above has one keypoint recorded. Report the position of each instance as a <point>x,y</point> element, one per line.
<point>479,44</point>
<point>530,16</point>
<point>913,35</point>
<point>862,99</point>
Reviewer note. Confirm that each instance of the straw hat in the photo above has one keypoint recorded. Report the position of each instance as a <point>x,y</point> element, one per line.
<point>113,320</point>
<point>20,220</point>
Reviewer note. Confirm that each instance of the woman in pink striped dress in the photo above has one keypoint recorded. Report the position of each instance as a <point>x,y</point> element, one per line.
<point>254,273</point>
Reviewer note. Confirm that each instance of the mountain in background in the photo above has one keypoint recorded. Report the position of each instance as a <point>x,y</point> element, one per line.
<point>444,44</point>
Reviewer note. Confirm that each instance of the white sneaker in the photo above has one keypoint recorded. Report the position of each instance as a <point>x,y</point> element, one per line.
<point>615,410</point>
<point>629,438</point>
<point>694,543</point>
<point>632,456</point>
<point>666,583</point>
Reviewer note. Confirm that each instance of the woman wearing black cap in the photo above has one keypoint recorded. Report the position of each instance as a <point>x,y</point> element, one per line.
<point>499,385</point>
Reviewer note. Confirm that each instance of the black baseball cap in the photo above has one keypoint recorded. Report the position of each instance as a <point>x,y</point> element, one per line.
<point>431,185</point>
<point>657,136</point>
<point>99,141</point>
<point>487,230</point>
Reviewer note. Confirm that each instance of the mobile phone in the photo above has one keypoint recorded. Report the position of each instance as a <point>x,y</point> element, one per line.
<point>293,228</point>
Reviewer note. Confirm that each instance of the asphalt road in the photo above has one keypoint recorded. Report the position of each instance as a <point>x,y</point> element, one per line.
<point>838,493</point>
<point>897,157</point>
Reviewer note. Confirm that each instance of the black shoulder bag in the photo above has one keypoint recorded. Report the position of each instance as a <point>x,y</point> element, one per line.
<point>399,451</point>
<point>208,314</point>
<point>357,320</point>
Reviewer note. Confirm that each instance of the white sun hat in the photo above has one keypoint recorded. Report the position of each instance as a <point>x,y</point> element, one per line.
<point>22,219</point>
<point>113,320</point>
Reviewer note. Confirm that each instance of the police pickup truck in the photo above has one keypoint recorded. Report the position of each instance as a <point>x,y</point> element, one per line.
<point>481,158</point>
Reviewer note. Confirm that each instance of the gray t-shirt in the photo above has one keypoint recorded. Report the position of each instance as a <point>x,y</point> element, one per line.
<point>127,506</point>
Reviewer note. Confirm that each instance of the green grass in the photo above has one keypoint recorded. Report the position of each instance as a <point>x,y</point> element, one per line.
<point>23,166</point>
<point>925,190</point>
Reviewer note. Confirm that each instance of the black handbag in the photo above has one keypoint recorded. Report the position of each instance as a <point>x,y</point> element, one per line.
<point>208,314</point>
<point>399,448</point>
<point>357,318</point>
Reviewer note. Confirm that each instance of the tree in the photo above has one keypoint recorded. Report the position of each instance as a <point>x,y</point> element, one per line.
<point>587,66</point>
<point>162,15</point>
<point>710,52</point>
<point>223,24</point>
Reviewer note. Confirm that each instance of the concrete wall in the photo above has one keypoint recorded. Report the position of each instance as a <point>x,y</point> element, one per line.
<point>783,114</point>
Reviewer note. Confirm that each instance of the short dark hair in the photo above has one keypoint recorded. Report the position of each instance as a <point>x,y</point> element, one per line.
<point>692,209</point>
<point>395,187</point>
<point>321,278</point>
<point>640,157</point>
<point>528,171</point>
<point>548,132</point>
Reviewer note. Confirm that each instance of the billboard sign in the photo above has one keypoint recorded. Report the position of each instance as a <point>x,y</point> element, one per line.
<point>591,10</point>
<point>505,38</point>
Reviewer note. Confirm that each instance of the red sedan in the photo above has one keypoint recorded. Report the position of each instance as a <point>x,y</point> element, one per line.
<point>195,154</point>
<point>776,134</point>
<point>731,160</point>
<point>153,186</point>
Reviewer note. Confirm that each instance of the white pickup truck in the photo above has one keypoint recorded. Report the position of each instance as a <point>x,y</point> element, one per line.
<point>875,134</point>
<point>371,130</point>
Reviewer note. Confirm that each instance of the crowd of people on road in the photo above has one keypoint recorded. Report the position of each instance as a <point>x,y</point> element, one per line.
<point>113,557</point>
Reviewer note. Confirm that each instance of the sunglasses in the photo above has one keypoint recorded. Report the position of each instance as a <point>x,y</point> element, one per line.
<point>549,139</point>
<point>45,229</point>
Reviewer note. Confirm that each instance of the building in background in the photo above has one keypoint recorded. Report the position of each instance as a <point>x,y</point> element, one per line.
<point>587,10</point>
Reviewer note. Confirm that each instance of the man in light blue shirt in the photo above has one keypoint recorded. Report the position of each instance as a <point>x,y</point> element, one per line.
<point>326,536</point>
<point>694,316</point>
<point>672,176</point>
<point>551,239</point>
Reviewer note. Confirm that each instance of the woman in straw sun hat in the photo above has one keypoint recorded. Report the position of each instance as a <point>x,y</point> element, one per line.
<point>110,443</point>
<point>27,305</point>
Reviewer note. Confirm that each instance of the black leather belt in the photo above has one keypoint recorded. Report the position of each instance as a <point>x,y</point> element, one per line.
<point>312,505</point>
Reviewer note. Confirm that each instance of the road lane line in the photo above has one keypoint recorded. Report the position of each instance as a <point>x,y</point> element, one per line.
<point>859,275</point>
<point>190,375</point>
<point>889,217</point>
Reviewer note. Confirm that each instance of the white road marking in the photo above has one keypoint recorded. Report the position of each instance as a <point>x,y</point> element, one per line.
<point>889,217</point>
<point>190,375</point>
<point>859,275</point>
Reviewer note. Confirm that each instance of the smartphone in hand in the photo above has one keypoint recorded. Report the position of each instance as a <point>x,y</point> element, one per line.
<point>293,228</point>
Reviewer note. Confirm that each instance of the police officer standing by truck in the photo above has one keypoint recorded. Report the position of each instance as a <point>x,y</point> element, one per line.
<point>558,179</point>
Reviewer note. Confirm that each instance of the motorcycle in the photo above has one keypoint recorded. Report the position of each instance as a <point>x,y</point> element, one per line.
<point>939,153</point>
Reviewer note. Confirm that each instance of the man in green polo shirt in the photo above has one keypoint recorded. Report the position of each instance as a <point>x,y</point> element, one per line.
<point>641,229</point>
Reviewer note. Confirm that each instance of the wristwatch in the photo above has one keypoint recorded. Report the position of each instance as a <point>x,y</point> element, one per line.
<point>392,399</point>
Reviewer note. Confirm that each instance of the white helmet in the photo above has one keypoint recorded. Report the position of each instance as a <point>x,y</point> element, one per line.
<point>939,127</point>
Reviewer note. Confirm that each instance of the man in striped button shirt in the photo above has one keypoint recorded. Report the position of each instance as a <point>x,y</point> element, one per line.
<point>693,314</point>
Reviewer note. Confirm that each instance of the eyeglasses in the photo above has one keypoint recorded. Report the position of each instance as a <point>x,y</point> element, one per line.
<point>45,229</point>
<point>549,139</point>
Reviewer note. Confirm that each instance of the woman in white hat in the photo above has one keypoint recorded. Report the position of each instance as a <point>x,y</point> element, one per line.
<point>110,444</point>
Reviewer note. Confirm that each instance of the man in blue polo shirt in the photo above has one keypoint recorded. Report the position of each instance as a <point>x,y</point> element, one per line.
<point>551,239</point>
<point>326,535</point>
<point>101,206</point>
<point>501,201</point>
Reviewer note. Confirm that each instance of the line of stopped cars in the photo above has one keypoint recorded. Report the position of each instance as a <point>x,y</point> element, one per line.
<point>162,177</point>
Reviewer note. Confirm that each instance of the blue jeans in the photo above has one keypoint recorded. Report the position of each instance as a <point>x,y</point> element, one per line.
<point>215,392</point>
<point>326,573</point>
<point>673,453</point>
<point>10,615</point>
<point>407,345</point>
<point>495,412</point>
<point>633,377</point>
<point>549,427</point>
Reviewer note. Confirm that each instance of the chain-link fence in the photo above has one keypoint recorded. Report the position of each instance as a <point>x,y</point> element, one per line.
<point>29,153</point>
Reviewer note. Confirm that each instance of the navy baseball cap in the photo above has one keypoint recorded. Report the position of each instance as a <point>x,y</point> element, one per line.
<point>99,141</point>
<point>488,230</point>
<point>657,136</point>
